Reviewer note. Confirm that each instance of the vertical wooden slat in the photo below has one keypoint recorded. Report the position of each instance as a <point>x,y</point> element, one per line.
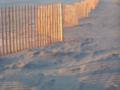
<point>45,25</point>
<point>6,24</point>
<point>61,22</point>
<point>47,20</point>
<point>50,25</point>
<point>85,9</point>
<point>14,18</point>
<point>32,33</point>
<point>35,17</point>
<point>0,34</point>
<point>17,28</point>
<point>22,27</point>
<point>10,30</point>
<point>33,28</point>
<point>1,31</point>
<point>28,33</point>
<point>36,31</point>
<point>42,21</point>
<point>24,30</point>
<point>26,27</point>
<point>30,26</point>
<point>4,31</point>
<point>53,24</point>
<point>36,24</point>
<point>55,18</point>
<point>40,26</point>
<point>57,24</point>
<point>6,28</point>
<point>43,28</point>
<point>55,29</point>
<point>88,8</point>
<point>14,28</point>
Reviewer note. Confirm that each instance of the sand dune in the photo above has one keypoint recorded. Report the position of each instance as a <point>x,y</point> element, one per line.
<point>88,59</point>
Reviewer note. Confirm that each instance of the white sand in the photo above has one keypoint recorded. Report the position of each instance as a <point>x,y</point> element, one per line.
<point>89,59</point>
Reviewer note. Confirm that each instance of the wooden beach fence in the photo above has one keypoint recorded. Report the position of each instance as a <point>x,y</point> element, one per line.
<point>32,26</point>
<point>29,26</point>
<point>73,13</point>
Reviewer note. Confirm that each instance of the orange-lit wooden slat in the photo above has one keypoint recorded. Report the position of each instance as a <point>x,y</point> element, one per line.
<point>53,23</point>
<point>43,25</point>
<point>60,23</point>
<point>56,23</point>
<point>48,20</point>
<point>48,24</point>
<point>57,35</point>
